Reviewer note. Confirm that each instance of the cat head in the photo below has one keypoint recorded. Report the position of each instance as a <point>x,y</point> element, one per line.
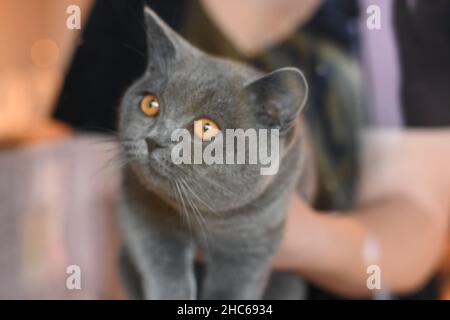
<point>184,88</point>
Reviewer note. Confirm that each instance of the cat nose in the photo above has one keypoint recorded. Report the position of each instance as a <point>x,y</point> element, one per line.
<point>152,144</point>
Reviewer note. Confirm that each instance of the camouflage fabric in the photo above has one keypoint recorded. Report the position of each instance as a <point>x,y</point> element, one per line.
<point>335,109</point>
<point>334,112</point>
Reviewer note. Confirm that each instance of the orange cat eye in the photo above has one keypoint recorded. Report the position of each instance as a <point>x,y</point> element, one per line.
<point>205,129</point>
<point>150,105</point>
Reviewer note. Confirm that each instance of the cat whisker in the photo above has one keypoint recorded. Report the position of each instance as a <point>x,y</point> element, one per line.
<point>113,141</point>
<point>183,207</point>
<point>97,129</point>
<point>183,182</point>
<point>198,197</point>
<point>197,215</point>
<point>213,182</point>
<point>118,161</point>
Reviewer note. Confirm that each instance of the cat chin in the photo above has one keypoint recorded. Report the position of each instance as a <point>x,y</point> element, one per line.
<point>149,177</point>
<point>154,183</point>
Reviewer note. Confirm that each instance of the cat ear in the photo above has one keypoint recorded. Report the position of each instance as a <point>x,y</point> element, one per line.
<point>278,97</point>
<point>163,44</point>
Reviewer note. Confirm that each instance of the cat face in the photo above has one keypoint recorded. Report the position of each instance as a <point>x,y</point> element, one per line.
<point>183,88</point>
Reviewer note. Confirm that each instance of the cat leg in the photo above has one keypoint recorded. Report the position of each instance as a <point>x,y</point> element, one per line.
<point>169,269</point>
<point>130,276</point>
<point>165,263</point>
<point>235,275</point>
<point>161,250</point>
<point>285,286</point>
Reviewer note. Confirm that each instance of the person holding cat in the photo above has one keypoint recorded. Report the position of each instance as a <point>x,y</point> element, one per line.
<point>396,218</point>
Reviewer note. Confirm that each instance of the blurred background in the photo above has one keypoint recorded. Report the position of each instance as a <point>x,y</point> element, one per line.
<point>58,177</point>
<point>57,192</point>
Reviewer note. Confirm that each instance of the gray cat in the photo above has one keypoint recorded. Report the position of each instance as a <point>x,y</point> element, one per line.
<point>232,214</point>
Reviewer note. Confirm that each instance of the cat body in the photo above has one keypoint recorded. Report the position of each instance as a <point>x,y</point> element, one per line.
<point>231,214</point>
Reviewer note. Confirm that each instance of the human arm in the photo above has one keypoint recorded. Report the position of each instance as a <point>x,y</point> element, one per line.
<point>403,204</point>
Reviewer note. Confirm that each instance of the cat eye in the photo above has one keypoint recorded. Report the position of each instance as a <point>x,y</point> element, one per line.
<point>150,105</point>
<point>205,129</point>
